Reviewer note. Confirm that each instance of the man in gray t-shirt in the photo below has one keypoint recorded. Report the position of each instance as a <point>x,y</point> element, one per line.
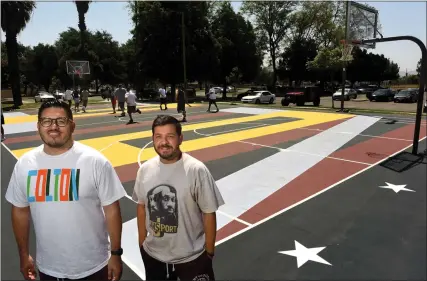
<point>177,203</point>
<point>120,95</point>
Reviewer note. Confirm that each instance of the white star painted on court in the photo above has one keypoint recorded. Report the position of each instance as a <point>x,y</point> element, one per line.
<point>397,188</point>
<point>304,254</point>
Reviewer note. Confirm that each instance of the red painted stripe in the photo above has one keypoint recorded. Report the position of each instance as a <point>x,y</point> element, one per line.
<point>128,172</point>
<point>324,174</point>
<point>233,227</point>
<point>108,128</point>
<point>375,149</point>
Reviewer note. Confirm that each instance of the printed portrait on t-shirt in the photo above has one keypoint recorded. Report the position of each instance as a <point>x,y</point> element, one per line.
<point>163,210</point>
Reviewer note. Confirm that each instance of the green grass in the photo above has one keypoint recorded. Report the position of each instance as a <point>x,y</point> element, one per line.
<point>28,103</point>
<point>322,108</point>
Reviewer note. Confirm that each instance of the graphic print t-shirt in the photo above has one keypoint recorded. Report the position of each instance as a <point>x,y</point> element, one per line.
<point>66,194</point>
<point>175,195</point>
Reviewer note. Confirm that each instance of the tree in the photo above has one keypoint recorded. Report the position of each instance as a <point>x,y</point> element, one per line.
<point>293,63</point>
<point>321,21</point>
<point>371,67</point>
<point>82,8</point>
<point>326,63</point>
<point>237,48</point>
<point>272,24</point>
<point>158,32</point>
<point>14,17</point>
<point>419,67</point>
<point>249,55</point>
<point>41,65</point>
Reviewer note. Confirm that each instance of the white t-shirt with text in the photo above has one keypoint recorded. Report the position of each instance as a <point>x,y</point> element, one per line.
<point>66,194</point>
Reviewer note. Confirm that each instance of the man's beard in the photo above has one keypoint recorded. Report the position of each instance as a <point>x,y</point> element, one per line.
<point>55,142</point>
<point>167,156</point>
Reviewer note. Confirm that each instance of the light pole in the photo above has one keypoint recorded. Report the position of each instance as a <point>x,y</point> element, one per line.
<point>184,62</point>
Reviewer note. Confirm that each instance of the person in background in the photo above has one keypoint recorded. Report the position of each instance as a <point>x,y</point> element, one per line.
<point>181,98</point>
<point>163,98</point>
<point>109,93</point>
<point>120,96</point>
<point>76,97</point>
<point>68,97</point>
<point>71,192</point>
<point>85,98</point>
<point>212,100</point>
<point>3,137</point>
<point>131,104</point>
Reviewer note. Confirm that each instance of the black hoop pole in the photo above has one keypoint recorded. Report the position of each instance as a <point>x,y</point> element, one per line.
<point>422,81</point>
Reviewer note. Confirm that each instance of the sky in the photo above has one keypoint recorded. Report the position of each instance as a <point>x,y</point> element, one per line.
<point>51,18</point>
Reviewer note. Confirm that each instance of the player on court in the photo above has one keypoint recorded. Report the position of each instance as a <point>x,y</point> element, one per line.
<point>177,202</point>
<point>212,100</point>
<point>84,95</point>
<point>120,96</point>
<point>181,99</point>
<point>163,98</point>
<point>131,105</point>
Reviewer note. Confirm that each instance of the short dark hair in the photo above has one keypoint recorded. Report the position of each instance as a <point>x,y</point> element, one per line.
<point>162,120</point>
<point>56,104</point>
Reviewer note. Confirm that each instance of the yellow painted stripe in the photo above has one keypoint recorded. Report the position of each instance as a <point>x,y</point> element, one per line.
<point>121,154</point>
<point>33,118</point>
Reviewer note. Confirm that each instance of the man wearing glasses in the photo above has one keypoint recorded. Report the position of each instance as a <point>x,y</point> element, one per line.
<point>72,193</point>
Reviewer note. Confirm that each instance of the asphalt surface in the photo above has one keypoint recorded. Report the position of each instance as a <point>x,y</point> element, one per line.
<point>368,232</point>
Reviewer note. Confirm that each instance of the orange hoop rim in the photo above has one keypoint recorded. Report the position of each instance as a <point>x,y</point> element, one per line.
<point>353,42</point>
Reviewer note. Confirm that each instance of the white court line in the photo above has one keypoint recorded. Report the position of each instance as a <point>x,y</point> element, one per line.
<point>363,135</point>
<point>117,141</point>
<point>233,218</point>
<point>308,198</point>
<point>284,149</point>
<point>142,150</point>
<point>7,148</point>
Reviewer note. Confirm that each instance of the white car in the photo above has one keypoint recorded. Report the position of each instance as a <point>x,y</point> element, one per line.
<point>348,94</point>
<point>218,90</point>
<point>58,95</point>
<point>260,97</point>
<point>43,96</point>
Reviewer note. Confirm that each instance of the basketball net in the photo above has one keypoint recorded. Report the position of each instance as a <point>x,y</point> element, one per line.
<point>77,72</point>
<point>346,51</point>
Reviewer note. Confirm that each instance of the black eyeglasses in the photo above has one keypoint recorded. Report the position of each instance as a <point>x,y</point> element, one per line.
<point>60,122</point>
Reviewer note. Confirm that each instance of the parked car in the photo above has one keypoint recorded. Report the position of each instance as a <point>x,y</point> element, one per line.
<point>218,90</point>
<point>58,95</point>
<point>247,93</point>
<point>348,94</point>
<point>300,96</point>
<point>259,97</point>
<point>406,96</point>
<point>382,95</point>
<point>43,96</point>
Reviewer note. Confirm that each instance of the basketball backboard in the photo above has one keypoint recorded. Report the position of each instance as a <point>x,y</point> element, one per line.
<point>77,67</point>
<point>362,23</point>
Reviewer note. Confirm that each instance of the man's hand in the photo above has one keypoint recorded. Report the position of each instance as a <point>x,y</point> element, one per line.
<point>28,269</point>
<point>209,223</point>
<point>115,268</point>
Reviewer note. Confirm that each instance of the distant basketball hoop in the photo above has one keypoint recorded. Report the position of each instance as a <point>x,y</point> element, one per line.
<point>79,68</point>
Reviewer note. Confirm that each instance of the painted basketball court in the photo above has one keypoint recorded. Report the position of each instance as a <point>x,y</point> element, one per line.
<point>309,195</point>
